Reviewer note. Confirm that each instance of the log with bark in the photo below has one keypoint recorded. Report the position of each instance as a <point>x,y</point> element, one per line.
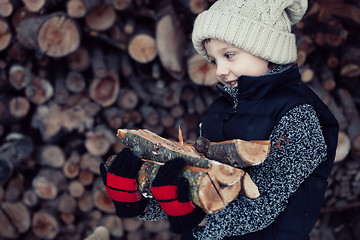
<point>55,34</point>
<point>213,184</point>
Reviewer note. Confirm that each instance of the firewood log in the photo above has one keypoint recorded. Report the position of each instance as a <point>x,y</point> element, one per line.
<point>104,90</point>
<point>14,189</point>
<point>203,174</point>
<point>61,92</point>
<point>166,119</point>
<point>15,148</point>
<point>7,230</point>
<point>114,117</point>
<point>99,141</point>
<point>170,41</point>
<point>51,156</point>
<point>17,76</point>
<point>102,201</point>
<point>45,225</point>
<point>200,71</point>
<point>55,34</point>
<point>307,74</point>
<point>90,163</point>
<point>150,115</point>
<point>48,183</point>
<point>340,9</point>
<point>100,233</point>
<point>330,102</point>
<point>114,224</point>
<point>142,46</point>
<point>158,226</point>
<point>79,8</point>
<point>52,118</point>
<point>85,202</point>
<point>40,5</point>
<point>350,61</point>
<point>101,18</point>
<point>353,116</point>
<point>21,14</point>
<point>121,4</point>
<point>132,224</point>
<point>75,82</point>
<point>86,177</point>
<point>66,204</point>
<point>98,64</point>
<point>195,6</point>
<point>19,107</point>
<point>5,34</point>
<point>15,219</point>
<point>67,218</point>
<point>76,189</point>
<point>327,78</point>
<point>237,152</point>
<point>39,90</point>
<point>30,198</point>
<point>7,7</point>
<point>127,99</point>
<point>343,147</point>
<point>71,167</point>
<point>79,60</point>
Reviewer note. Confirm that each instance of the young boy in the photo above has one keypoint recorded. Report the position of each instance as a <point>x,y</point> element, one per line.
<point>251,45</point>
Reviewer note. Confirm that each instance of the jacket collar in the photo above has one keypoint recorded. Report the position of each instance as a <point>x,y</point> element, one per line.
<point>256,87</point>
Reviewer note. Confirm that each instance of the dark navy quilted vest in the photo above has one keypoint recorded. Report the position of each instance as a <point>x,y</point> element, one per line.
<point>262,101</point>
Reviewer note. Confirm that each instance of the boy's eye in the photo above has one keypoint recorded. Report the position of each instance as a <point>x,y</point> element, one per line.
<point>229,55</point>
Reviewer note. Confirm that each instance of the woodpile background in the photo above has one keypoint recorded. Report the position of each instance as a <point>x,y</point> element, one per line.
<point>74,71</point>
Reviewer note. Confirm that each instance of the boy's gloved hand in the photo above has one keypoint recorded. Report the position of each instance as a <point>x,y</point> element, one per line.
<point>172,192</point>
<point>120,183</point>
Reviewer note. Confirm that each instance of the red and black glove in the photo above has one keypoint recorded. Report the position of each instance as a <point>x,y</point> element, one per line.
<point>120,183</point>
<point>171,190</point>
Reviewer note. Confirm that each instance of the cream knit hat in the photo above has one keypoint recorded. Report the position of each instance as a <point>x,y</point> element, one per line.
<point>261,27</point>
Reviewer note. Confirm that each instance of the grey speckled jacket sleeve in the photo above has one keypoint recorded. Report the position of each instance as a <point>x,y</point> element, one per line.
<point>278,177</point>
<point>153,213</point>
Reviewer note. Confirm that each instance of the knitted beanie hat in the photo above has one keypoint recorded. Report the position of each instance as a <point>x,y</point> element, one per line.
<point>260,27</point>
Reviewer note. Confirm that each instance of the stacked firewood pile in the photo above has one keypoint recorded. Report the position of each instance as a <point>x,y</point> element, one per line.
<point>74,71</point>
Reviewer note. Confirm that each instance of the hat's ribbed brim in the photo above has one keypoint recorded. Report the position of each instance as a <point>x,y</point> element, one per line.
<point>252,36</point>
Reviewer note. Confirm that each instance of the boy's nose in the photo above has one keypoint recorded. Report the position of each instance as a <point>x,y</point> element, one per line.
<point>221,70</point>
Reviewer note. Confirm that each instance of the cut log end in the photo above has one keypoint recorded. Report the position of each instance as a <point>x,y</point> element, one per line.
<point>59,36</point>
<point>249,188</point>
<point>142,48</point>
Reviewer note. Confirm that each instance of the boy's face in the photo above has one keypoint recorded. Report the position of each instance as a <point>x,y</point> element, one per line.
<point>232,62</point>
